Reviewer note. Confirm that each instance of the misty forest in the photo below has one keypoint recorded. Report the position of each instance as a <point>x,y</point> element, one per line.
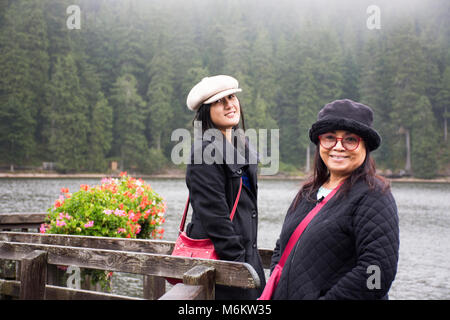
<point>114,88</point>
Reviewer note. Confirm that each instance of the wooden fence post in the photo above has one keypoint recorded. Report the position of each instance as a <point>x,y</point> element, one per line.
<point>33,276</point>
<point>204,276</point>
<point>154,287</point>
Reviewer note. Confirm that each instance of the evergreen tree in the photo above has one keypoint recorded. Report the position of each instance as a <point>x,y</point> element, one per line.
<point>409,84</point>
<point>308,106</point>
<point>262,74</point>
<point>160,107</point>
<point>69,124</point>
<point>23,76</point>
<point>350,89</point>
<point>130,144</point>
<point>377,90</point>
<point>443,102</point>
<point>424,141</point>
<point>100,135</point>
<point>290,59</point>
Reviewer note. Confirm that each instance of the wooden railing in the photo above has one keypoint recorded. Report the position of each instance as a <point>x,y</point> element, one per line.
<point>42,253</point>
<point>24,221</point>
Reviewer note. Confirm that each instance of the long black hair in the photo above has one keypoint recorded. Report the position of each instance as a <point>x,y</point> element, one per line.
<point>320,175</point>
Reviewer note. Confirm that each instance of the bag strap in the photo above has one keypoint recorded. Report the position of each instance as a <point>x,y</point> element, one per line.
<point>233,211</point>
<point>302,226</point>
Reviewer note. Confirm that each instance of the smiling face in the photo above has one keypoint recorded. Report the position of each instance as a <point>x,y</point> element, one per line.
<point>225,112</point>
<point>341,162</point>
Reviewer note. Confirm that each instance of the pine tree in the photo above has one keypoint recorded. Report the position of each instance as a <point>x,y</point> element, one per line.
<point>308,107</point>
<point>69,123</point>
<point>160,107</point>
<point>130,144</point>
<point>409,84</point>
<point>100,135</point>
<point>443,102</point>
<point>261,84</point>
<point>351,74</point>
<point>424,138</point>
<point>23,76</point>
<point>377,91</point>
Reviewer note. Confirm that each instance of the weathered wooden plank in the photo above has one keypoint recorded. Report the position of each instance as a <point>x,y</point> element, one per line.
<point>22,218</point>
<point>203,276</point>
<point>234,274</point>
<point>33,275</point>
<point>266,257</point>
<point>154,287</point>
<point>61,293</point>
<point>24,226</point>
<point>135,245</point>
<point>7,269</point>
<point>12,288</point>
<point>122,244</point>
<point>185,292</point>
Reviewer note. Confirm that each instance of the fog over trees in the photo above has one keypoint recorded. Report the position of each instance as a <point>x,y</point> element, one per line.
<point>114,87</point>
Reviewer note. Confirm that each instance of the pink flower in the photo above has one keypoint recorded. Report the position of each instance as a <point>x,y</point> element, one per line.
<point>138,229</point>
<point>107,212</point>
<point>121,230</point>
<point>89,224</point>
<point>43,228</point>
<point>60,223</point>
<point>106,180</point>
<point>119,213</point>
<point>63,215</point>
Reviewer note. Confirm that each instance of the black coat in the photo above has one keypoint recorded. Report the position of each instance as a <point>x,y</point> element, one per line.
<point>213,189</point>
<point>332,257</point>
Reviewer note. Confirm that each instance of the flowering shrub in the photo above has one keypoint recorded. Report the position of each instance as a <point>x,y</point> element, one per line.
<point>124,207</point>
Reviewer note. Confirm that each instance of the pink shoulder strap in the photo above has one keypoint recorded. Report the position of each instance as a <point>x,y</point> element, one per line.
<point>302,226</point>
<point>233,211</point>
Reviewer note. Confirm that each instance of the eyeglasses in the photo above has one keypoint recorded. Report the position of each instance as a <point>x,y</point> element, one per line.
<point>329,140</point>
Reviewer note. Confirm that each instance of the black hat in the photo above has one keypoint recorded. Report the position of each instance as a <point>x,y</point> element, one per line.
<point>346,115</point>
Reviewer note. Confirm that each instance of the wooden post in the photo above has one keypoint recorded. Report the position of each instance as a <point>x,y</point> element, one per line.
<point>204,276</point>
<point>154,287</point>
<point>33,276</point>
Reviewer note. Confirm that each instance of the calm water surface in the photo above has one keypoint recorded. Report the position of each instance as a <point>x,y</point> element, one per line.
<point>424,212</point>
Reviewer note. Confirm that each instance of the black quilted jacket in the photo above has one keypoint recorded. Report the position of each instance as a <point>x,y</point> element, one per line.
<point>336,254</point>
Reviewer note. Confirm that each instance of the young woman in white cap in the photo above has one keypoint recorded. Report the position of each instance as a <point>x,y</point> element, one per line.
<point>349,250</point>
<point>214,180</point>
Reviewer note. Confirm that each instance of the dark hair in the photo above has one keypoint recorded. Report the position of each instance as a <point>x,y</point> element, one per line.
<point>204,115</point>
<point>365,171</point>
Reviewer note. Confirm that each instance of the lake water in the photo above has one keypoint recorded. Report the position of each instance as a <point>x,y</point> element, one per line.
<point>424,213</point>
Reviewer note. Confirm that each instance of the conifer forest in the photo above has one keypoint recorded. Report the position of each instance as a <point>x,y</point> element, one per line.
<point>111,83</point>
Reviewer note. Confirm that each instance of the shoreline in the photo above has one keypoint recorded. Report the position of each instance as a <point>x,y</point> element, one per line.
<point>180,175</point>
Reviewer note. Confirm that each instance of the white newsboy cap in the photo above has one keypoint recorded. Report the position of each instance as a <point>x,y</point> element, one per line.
<point>211,89</point>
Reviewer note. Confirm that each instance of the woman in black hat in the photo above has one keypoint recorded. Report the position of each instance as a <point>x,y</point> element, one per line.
<point>218,165</point>
<point>349,250</point>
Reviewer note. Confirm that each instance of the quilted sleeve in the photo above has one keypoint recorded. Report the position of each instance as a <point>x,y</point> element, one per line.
<point>376,234</point>
<point>275,256</point>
